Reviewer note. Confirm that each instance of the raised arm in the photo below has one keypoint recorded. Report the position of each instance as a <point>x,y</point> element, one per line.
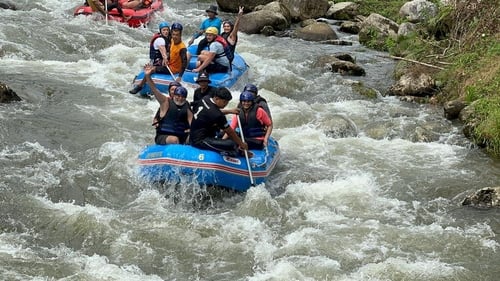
<point>161,98</point>
<point>234,33</point>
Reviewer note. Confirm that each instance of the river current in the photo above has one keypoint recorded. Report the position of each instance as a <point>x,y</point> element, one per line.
<point>373,204</point>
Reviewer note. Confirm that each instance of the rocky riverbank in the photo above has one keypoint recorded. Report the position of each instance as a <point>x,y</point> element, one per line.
<point>447,49</point>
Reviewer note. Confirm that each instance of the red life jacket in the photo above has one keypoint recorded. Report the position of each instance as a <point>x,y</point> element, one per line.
<point>227,49</point>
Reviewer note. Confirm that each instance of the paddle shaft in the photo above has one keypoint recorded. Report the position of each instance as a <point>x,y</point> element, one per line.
<point>246,152</point>
<point>171,73</point>
<point>106,8</point>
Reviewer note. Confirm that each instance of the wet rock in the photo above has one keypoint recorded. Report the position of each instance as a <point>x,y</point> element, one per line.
<point>317,31</point>
<point>268,31</point>
<point>487,197</point>
<point>339,126</point>
<point>7,5</point>
<point>453,108</point>
<point>347,68</point>
<point>414,84</point>
<point>273,14</point>
<point>350,27</point>
<point>342,63</point>
<point>337,42</point>
<point>7,95</point>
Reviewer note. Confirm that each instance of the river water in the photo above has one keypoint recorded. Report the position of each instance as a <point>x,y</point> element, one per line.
<point>372,204</point>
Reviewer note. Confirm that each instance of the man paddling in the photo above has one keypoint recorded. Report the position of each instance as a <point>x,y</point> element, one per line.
<point>209,120</point>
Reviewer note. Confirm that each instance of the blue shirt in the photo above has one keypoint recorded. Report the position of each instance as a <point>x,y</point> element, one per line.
<point>208,22</point>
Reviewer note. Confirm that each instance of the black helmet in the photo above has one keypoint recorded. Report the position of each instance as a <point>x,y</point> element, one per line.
<point>175,83</point>
<point>251,88</point>
<point>247,96</point>
<point>176,25</point>
<point>181,91</point>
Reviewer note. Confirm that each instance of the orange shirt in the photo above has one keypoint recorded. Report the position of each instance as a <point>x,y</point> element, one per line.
<point>175,62</point>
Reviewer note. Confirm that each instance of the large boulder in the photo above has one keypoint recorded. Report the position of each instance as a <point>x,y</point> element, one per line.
<point>418,10</point>
<point>342,63</point>
<point>298,9</point>
<point>343,11</point>
<point>419,84</point>
<point>7,95</point>
<point>306,9</point>
<point>233,6</point>
<point>318,31</point>
<point>273,14</point>
<point>7,5</point>
<point>375,30</point>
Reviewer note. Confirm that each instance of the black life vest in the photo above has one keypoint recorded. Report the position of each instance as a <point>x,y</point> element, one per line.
<point>262,102</point>
<point>252,128</point>
<point>225,35</point>
<point>175,121</point>
<point>155,55</point>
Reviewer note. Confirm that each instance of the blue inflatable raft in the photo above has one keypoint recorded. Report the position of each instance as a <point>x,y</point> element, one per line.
<point>176,163</point>
<point>228,80</point>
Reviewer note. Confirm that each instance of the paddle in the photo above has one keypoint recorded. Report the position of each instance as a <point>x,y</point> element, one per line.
<point>246,152</point>
<point>171,73</point>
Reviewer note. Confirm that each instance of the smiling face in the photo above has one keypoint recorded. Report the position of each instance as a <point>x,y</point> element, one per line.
<point>246,104</point>
<point>165,31</point>
<point>227,27</point>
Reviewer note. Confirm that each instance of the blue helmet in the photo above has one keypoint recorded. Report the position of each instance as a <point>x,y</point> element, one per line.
<point>175,83</point>
<point>176,25</point>
<point>247,96</point>
<point>181,91</point>
<point>251,88</point>
<point>163,24</point>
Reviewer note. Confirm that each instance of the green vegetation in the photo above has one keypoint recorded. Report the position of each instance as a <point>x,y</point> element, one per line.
<point>388,9</point>
<point>464,39</point>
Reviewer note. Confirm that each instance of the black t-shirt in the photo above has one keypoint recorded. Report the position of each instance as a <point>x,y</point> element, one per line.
<point>207,121</point>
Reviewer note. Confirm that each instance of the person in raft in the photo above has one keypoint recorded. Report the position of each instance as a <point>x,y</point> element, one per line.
<point>174,116</point>
<point>255,123</point>
<point>209,120</point>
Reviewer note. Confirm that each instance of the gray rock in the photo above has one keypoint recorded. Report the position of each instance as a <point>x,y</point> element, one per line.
<point>487,197</point>
<point>317,31</point>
